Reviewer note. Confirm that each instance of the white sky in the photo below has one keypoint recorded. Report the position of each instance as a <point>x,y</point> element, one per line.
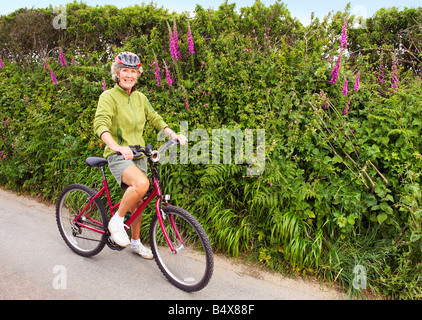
<point>300,9</point>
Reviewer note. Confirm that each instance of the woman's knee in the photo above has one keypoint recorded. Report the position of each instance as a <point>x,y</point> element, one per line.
<point>141,186</point>
<point>135,178</point>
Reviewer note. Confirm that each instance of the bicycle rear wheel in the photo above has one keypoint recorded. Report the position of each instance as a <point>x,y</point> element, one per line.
<point>191,267</point>
<point>85,236</point>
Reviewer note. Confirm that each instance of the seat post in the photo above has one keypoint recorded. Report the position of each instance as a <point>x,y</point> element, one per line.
<point>102,172</point>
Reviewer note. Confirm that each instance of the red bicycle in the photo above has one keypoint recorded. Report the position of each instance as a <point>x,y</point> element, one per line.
<point>179,244</point>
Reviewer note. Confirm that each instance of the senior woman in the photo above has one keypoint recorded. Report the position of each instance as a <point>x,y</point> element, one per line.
<point>121,115</point>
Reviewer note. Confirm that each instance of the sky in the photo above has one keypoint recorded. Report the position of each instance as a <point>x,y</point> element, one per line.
<point>300,9</point>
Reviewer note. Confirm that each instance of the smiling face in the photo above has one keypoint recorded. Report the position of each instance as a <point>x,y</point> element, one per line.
<point>128,77</point>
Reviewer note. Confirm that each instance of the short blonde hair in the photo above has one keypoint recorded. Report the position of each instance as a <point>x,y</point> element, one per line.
<point>115,69</point>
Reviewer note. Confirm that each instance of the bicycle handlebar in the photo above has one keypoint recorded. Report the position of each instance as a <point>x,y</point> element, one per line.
<point>154,155</point>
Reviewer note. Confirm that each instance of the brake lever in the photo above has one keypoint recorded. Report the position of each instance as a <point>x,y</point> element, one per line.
<point>136,150</point>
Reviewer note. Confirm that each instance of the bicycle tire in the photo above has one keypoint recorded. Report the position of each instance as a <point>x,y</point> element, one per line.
<point>191,268</point>
<point>70,203</point>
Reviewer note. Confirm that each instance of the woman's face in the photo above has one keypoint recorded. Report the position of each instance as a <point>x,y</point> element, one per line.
<point>128,77</point>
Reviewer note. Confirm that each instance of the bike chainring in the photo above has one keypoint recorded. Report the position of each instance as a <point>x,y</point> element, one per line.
<point>111,244</point>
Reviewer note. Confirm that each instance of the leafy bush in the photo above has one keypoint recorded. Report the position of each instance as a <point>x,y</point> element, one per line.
<point>341,186</point>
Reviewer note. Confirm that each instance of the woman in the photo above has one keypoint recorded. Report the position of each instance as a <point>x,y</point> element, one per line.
<point>121,115</point>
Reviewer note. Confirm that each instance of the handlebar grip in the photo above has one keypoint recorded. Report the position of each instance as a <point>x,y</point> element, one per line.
<point>148,148</point>
<point>136,154</point>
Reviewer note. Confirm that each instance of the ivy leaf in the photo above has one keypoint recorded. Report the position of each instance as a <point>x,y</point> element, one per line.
<point>382,217</point>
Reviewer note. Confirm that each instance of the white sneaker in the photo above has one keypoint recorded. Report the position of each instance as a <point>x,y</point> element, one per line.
<point>118,233</point>
<point>142,251</point>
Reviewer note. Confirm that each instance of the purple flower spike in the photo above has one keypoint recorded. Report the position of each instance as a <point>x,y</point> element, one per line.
<point>345,89</point>
<point>343,40</point>
<point>335,71</point>
<point>357,83</point>
<point>53,77</point>
<point>191,47</point>
<point>62,61</point>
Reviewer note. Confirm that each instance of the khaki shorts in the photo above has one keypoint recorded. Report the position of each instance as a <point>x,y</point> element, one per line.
<point>118,165</point>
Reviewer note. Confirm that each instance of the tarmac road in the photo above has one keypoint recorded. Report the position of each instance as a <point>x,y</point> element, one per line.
<point>35,263</point>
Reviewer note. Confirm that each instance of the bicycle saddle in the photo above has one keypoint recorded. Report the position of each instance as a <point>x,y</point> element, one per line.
<point>96,162</point>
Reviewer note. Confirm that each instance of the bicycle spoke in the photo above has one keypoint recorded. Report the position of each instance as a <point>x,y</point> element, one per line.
<point>83,233</point>
<point>190,267</point>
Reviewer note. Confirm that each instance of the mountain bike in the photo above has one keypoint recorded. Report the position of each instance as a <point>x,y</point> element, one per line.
<point>178,242</point>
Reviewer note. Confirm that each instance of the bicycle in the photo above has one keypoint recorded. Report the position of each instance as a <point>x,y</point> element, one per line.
<point>178,242</point>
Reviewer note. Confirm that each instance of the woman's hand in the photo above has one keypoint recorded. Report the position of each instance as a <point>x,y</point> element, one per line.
<point>179,137</point>
<point>126,152</point>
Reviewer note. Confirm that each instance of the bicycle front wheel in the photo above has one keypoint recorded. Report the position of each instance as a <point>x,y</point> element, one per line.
<point>84,233</point>
<point>189,268</point>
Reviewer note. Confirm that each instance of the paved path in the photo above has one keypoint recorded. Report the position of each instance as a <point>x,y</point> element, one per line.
<point>35,263</point>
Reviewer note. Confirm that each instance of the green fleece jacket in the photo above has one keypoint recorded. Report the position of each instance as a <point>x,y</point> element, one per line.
<point>125,116</point>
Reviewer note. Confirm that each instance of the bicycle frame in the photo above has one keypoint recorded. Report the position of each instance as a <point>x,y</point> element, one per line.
<point>113,208</point>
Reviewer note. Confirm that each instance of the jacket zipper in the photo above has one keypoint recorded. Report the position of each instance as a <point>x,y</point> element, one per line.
<point>134,118</point>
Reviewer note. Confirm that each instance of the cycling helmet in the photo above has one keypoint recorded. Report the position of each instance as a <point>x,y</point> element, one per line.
<point>128,60</point>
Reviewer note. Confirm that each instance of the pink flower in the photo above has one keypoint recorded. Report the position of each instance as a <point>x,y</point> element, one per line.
<point>1,64</point>
<point>191,47</point>
<point>395,85</point>
<point>357,83</point>
<point>104,86</point>
<point>336,71</point>
<point>381,77</point>
<point>157,70</point>
<point>345,89</point>
<point>62,61</point>
<point>170,79</point>
<point>53,77</point>
<point>174,42</point>
<point>186,98</point>
<point>343,40</point>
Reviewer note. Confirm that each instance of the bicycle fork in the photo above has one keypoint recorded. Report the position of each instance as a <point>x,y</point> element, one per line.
<point>161,216</point>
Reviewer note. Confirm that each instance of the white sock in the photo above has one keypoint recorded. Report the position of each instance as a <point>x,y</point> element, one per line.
<point>135,242</point>
<point>118,218</point>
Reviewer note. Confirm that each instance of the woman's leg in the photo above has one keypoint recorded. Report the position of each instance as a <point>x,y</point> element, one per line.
<point>138,185</point>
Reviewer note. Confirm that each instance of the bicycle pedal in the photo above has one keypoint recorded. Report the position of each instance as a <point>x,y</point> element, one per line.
<point>112,245</point>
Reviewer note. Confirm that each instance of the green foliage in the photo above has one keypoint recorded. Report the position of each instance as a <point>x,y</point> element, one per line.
<point>338,190</point>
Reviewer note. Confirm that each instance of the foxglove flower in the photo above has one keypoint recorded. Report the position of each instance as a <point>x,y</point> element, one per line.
<point>335,71</point>
<point>381,77</point>
<point>157,72</point>
<point>395,85</point>
<point>62,61</point>
<point>357,83</point>
<point>53,77</point>
<point>1,64</point>
<point>176,42</point>
<point>170,79</point>
<point>191,47</point>
<point>345,89</point>
<point>171,44</point>
<point>343,39</point>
